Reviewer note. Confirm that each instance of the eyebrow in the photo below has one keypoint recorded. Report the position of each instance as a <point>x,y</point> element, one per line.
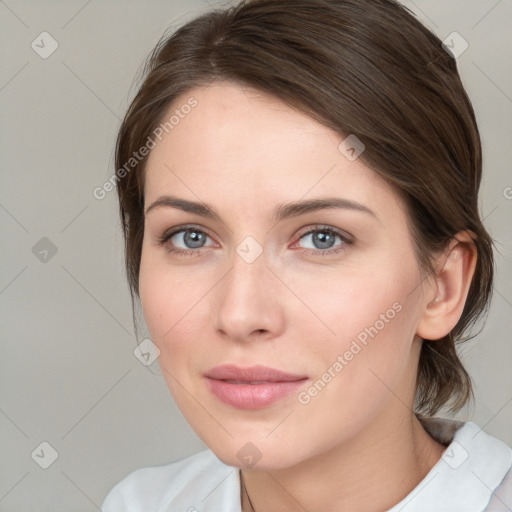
<point>281,212</point>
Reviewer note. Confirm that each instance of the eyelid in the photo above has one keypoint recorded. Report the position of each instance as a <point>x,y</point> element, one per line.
<point>185,227</point>
<point>344,235</point>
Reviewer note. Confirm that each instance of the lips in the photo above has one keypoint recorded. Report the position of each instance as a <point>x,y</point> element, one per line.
<point>252,387</point>
<point>253,374</point>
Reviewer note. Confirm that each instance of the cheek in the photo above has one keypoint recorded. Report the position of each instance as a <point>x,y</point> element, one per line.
<point>355,303</point>
<point>365,366</point>
<point>172,303</point>
<point>162,293</point>
<point>368,327</point>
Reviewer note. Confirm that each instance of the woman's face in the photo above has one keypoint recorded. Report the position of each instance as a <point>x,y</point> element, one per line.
<point>329,296</point>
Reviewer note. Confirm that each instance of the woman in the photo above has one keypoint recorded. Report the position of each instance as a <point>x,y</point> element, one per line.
<point>298,184</point>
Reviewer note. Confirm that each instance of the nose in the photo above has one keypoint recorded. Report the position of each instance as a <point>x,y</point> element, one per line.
<point>247,303</point>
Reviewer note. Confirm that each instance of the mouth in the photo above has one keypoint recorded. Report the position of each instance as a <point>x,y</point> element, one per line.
<point>252,387</point>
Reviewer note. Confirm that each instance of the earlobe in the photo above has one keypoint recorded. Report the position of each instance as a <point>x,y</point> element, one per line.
<point>445,301</point>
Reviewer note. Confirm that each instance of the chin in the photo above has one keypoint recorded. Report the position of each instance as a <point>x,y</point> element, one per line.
<point>258,454</point>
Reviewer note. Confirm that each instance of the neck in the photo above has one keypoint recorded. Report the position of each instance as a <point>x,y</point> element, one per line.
<point>372,472</point>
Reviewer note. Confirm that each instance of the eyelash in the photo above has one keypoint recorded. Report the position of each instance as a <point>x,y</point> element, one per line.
<point>197,252</point>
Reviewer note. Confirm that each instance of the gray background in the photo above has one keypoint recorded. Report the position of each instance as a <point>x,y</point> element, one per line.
<point>68,373</point>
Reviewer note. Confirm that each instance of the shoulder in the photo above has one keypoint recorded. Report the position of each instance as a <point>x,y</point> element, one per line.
<point>474,472</point>
<point>501,499</point>
<point>155,489</point>
<point>479,467</point>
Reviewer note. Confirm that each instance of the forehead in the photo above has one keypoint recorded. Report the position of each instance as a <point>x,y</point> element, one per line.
<point>241,145</point>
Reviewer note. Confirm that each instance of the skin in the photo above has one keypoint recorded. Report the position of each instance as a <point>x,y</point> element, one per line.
<point>357,444</point>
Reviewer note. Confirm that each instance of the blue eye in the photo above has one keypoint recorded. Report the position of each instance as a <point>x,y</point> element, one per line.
<point>323,240</point>
<point>191,237</point>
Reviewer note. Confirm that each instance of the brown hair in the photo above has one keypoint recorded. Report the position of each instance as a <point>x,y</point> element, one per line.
<point>363,67</point>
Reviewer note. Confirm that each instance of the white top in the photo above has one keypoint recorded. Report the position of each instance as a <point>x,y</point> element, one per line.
<point>473,475</point>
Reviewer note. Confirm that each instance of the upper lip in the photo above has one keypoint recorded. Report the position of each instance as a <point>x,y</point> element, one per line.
<point>257,373</point>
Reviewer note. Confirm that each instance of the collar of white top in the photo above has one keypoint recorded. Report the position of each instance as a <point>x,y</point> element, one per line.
<point>470,469</point>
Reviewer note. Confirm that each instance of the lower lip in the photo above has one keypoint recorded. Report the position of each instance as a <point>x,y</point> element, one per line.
<point>252,396</point>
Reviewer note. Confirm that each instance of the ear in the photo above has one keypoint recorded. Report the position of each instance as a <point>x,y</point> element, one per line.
<point>445,298</point>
